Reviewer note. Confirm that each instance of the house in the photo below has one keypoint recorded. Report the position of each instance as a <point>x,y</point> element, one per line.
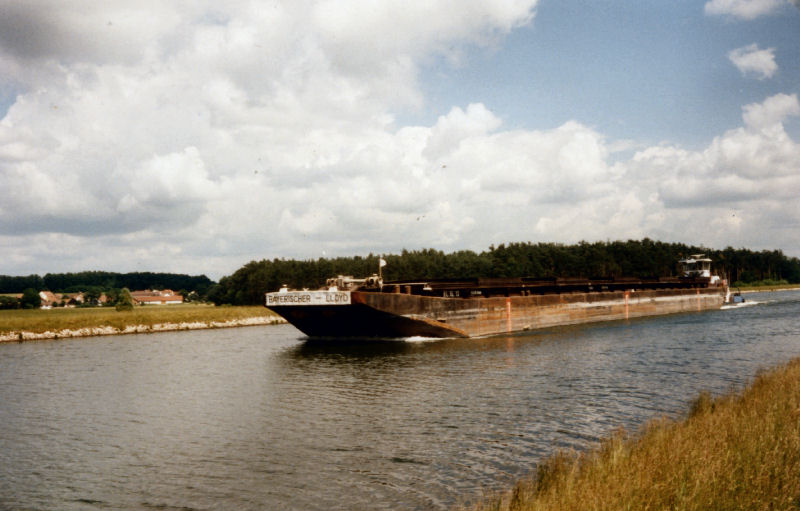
<point>73,299</point>
<point>49,299</point>
<point>150,297</point>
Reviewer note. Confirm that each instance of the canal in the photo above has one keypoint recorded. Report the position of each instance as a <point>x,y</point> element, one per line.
<point>260,418</point>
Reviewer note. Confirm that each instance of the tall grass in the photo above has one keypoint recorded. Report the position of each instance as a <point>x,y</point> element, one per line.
<point>738,451</point>
<point>58,319</point>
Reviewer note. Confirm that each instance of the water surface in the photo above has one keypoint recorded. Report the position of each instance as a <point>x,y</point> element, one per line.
<point>260,418</point>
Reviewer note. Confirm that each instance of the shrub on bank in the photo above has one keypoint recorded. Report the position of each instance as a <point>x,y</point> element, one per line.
<point>125,300</point>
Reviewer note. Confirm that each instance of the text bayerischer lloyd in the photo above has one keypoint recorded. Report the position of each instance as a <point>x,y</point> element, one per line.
<point>309,298</point>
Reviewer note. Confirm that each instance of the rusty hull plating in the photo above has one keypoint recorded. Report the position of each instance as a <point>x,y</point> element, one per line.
<point>368,308</point>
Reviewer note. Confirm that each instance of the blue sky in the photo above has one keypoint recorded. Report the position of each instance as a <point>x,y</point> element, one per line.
<point>646,71</point>
<point>197,136</point>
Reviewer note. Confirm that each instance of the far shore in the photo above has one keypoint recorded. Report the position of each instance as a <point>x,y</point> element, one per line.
<point>136,329</point>
<point>767,289</point>
<point>61,323</point>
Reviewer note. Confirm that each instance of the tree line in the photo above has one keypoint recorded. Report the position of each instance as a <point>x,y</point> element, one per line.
<point>105,281</point>
<point>632,258</point>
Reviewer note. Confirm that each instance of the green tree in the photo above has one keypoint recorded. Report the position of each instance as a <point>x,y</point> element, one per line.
<point>92,295</point>
<point>609,259</point>
<point>124,301</point>
<point>112,295</point>
<point>9,302</point>
<point>30,299</point>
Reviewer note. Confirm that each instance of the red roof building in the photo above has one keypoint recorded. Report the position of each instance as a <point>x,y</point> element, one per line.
<point>149,297</point>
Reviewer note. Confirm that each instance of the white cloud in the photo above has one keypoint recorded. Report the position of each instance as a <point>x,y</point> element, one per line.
<point>82,30</point>
<point>752,61</point>
<point>743,9</point>
<point>253,124</point>
<point>772,112</point>
<point>736,185</point>
<point>236,132</point>
<point>458,127</point>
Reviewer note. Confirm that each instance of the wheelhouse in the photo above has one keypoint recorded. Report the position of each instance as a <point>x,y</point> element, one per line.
<point>696,265</point>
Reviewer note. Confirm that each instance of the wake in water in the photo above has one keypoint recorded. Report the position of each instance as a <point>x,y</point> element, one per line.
<point>417,338</point>
<point>746,303</point>
<point>368,340</point>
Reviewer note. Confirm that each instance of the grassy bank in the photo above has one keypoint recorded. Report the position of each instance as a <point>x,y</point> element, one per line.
<point>740,451</point>
<point>55,320</point>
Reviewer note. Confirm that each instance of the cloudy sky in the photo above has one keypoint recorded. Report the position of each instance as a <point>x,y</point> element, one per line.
<point>194,136</point>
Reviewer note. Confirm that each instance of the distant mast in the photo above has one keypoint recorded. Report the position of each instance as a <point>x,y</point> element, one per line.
<point>381,264</point>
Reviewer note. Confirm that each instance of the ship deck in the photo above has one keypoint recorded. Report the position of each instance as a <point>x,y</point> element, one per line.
<point>488,287</point>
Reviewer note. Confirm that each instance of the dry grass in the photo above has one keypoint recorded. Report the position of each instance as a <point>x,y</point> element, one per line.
<point>740,451</point>
<point>58,319</point>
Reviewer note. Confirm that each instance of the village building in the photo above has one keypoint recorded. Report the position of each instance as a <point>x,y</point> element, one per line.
<point>150,297</point>
<point>50,299</point>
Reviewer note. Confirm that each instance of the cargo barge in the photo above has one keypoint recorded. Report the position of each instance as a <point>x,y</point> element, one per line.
<point>371,308</point>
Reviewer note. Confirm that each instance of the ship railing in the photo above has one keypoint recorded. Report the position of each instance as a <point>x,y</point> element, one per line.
<point>467,288</point>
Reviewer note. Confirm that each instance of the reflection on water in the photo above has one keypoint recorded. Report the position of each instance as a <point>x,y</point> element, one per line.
<point>259,418</point>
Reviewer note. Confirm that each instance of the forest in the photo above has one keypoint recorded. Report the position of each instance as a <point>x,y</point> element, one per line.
<point>105,281</point>
<point>632,258</point>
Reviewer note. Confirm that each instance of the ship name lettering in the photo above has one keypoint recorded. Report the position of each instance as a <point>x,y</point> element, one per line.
<point>290,299</point>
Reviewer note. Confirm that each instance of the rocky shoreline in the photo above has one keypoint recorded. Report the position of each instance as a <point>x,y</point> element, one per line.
<point>137,329</point>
